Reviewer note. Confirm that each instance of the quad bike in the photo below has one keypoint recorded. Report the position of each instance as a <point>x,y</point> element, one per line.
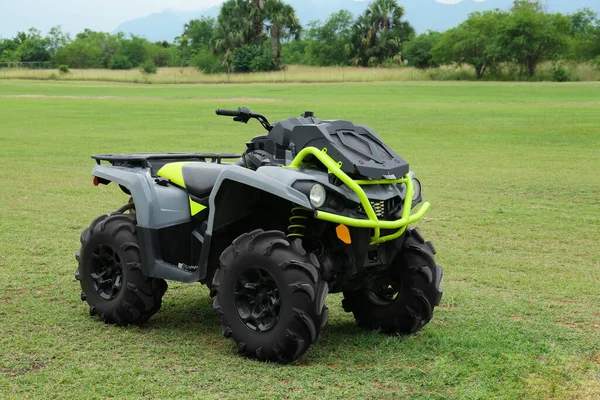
<point>311,208</point>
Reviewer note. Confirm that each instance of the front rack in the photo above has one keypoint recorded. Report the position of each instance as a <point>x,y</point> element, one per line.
<point>372,222</point>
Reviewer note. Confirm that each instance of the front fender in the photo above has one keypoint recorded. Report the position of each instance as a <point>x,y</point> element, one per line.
<point>230,198</point>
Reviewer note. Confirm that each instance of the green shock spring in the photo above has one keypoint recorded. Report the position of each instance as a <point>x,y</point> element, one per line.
<point>297,220</point>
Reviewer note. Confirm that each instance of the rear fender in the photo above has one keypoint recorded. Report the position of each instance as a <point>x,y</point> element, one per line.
<point>156,206</point>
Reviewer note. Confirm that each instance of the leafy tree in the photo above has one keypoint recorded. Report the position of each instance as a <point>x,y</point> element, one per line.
<point>120,61</point>
<point>207,62</point>
<point>90,49</point>
<point>584,40</point>
<point>329,43</point>
<point>8,44</point>
<point>57,39</point>
<point>10,56</point>
<point>474,42</point>
<point>34,47</point>
<point>158,54</point>
<point>530,36</point>
<point>281,23</point>
<point>418,50</point>
<point>135,49</point>
<point>198,35</point>
<point>296,52</point>
<point>200,32</point>
<point>584,21</point>
<point>253,58</point>
<point>81,53</point>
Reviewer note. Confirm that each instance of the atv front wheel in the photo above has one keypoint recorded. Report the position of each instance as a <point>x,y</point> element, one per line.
<point>401,302</point>
<point>270,296</point>
<point>109,272</point>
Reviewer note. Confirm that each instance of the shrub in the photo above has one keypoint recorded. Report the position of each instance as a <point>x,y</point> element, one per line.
<point>148,67</point>
<point>418,50</point>
<point>63,69</point>
<point>560,74</point>
<point>253,58</point>
<point>119,62</point>
<point>207,62</point>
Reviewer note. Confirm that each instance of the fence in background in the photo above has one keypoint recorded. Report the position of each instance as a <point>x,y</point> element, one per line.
<point>26,65</point>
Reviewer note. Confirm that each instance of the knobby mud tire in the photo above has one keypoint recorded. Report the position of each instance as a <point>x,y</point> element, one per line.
<point>301,291</point>
<point>419,291</point>
<point>139,297</point>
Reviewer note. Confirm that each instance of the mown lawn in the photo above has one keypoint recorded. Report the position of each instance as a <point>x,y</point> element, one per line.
<point>513,175</point>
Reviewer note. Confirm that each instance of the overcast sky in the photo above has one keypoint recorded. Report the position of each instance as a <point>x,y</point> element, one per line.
<point>101,15</point>
<point>76,15</point>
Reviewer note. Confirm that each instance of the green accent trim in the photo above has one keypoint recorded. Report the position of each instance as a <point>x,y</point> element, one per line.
<point>372,222</point>
<point>381,182</point>
<point>195,208</point>
<point>173,172</point>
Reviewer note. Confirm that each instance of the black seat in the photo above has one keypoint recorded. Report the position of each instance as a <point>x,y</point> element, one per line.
<point>199,178</point>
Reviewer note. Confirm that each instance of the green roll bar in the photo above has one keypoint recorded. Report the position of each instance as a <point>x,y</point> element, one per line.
<point>372,222</point>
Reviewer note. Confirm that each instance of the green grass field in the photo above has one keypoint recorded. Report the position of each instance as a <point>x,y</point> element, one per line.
<point>513,175</point>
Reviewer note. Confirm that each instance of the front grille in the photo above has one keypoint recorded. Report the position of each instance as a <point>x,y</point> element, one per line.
<point>384,208</point>
<point>378,207</point>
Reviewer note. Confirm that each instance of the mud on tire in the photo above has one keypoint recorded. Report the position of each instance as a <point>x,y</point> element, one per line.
<point>406,298</point>
<point>110,272</point>
<point>269,296</point>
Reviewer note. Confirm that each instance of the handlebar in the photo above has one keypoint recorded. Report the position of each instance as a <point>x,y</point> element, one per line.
<point>228,113</point>
<point>243,114</point>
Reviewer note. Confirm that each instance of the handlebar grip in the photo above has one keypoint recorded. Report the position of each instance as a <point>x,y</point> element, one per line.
<point>228,113</point>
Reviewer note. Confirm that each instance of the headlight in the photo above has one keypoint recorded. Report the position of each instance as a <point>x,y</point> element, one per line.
<point>417,189</point>
<point>317,195</point>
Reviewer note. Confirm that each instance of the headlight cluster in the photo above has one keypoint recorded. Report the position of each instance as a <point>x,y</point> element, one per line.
<point>317,195</point>
<point>417,189</point>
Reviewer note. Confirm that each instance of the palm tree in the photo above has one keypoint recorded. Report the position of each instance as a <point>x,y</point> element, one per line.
<point>380,32</point>
<point>234,28</point>
<point>257,17</point>
<point>281,23</point>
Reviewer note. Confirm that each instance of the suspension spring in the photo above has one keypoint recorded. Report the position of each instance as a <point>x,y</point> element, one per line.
<point>298,219</point>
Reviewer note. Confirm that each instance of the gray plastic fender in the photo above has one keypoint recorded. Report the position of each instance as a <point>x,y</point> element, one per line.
<point>156,206</point>
<point>273,180</point>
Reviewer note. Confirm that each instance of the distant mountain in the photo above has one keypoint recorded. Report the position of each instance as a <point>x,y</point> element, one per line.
<point>422,14</point>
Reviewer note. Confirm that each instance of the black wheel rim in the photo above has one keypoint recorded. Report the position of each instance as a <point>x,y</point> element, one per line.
<point>106,272</point>
<point>383,293</point>
<point>257,299</point>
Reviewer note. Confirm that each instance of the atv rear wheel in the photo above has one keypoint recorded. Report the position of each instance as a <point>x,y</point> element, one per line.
<point>110,275</point>
<point>270,296</point>
<point>403,301</point>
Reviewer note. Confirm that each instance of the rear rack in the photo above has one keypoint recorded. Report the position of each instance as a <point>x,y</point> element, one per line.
<point>148,160</point>
<point>155,161</point>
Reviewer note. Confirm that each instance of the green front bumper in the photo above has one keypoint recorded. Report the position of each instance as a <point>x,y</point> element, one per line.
<point>372,221</point>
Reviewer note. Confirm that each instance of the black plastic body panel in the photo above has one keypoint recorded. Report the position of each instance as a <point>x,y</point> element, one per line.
<point>360,150</point>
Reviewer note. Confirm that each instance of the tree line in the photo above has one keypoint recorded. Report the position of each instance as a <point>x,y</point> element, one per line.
<point>264,35</point>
